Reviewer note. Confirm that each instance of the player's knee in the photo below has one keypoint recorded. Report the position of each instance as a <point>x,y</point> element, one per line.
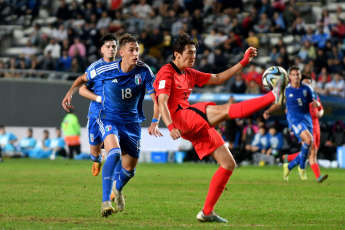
<point>229,164</point>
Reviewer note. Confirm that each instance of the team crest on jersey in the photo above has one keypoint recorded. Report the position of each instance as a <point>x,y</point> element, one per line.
<point>108,128</point>
<point>92,137</point>
<point>305,93</point>
<point>138,79</point>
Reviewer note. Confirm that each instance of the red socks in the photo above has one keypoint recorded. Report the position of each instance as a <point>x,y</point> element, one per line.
<point>248,107</point>
<point>316,170</point>
<point>217,185</point>
<point>292,156</point>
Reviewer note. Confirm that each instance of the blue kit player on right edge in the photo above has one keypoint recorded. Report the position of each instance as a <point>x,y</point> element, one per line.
<point>124,84</point>
<point>298,97</point>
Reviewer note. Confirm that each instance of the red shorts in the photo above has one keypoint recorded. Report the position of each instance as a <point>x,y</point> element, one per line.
<point>193,124</point>
<point>316,143</point>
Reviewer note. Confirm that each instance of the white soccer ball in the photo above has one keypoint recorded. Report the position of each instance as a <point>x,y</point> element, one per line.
<point>272,75</point>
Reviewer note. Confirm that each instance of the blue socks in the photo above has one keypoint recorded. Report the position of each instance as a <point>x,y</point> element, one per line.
<point>114,156</point>
<point>123,178</point>
<point>301,158</point>
<point>96,159</point>
<point>304,154</point>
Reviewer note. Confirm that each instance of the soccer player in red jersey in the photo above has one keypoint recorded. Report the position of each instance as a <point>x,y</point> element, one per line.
<point>174,83</point>
<point>315,114</point>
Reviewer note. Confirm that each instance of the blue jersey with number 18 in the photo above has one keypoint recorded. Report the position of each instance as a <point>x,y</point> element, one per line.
<point>297,104</point>
<point>123,93</point>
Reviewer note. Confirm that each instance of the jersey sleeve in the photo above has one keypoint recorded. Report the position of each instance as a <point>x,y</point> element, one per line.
<point>163,83</point>
<point>149,79</point>
<point>201,78</point>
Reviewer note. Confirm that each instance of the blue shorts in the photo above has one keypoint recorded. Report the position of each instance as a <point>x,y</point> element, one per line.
<point>129,134</point>
<point>98,129</point>
<point>298,127</point>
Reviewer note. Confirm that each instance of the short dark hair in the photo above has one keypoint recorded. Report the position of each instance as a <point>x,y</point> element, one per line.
<point>126,38</point>
<point>107,37</point>
<point>305,77</point>
<point>2,126</point>
<point>294,67</point>
<point>180,43</point>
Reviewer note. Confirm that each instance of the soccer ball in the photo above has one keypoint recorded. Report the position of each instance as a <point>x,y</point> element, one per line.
<point>272,75</point>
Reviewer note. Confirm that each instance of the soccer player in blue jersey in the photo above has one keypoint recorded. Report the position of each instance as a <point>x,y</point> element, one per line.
<point>124,84</point>
<point>298,97</point>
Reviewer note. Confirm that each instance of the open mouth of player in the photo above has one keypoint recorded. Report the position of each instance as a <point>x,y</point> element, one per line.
<point>135,59</point>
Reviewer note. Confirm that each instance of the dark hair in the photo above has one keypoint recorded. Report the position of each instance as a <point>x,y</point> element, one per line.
<point>107,37</point>
<point>126,38</point>
<point>180,43</point>
<point>2,126</point>
<point>30,129</point>
<point>294,67</point>
<point>46,131</point>
<point>305,77</point>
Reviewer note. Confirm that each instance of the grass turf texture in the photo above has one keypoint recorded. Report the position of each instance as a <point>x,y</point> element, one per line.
<point>63,194</point>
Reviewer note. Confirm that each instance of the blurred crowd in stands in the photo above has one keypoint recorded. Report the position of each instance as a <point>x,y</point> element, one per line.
<point>223,29</point>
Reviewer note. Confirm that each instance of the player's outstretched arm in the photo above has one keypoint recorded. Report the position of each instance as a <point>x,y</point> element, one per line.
<point>268,112</point>
<point>85,92</point>
<point>153,129</point>
<point>164,111</point>
<point>217,79</point>
<point>66,102</point>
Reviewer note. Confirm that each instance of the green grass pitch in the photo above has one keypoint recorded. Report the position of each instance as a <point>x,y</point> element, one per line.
<point>63,194</point>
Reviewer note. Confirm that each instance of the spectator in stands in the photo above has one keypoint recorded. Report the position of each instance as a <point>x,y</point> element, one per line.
<point>291,12</point>
<point>211,38</point>
<point>48,62</point>
<point>337,86</point>
<point>320,61</point>
<point>104,21</point>
<point>57,145</point>
<point>13,66</point>
<point>54,49</point>
<point>320,37</point>
<point>263,25</point>
<point>78,23</point>
<point>248,134</point>
<point>308,36</point>
<point>238,85</point>
<point>321,85</point>
<point>28,51</point>
<point>7,140</point>
<point>338,31</point>
<point>77,49</point>
<point>28,142</point>
<point>252,88</point>
<point>259,144</point>
<point>274,54</point>
<point>65,62</point>
<point>140,12</point>
<point>75,10</point>
<point>278,23</point>
<point>336,138</point>
<point>298,26</point>
<point>197,21</point>
<point>275,142</point>
<point>325,19</point>
<point>88,11</point>
<point>62,13</point>
<point>266,8</point>
<point>36,35</point>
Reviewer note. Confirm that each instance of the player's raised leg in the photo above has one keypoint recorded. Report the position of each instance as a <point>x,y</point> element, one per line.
<point>219,113</point>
